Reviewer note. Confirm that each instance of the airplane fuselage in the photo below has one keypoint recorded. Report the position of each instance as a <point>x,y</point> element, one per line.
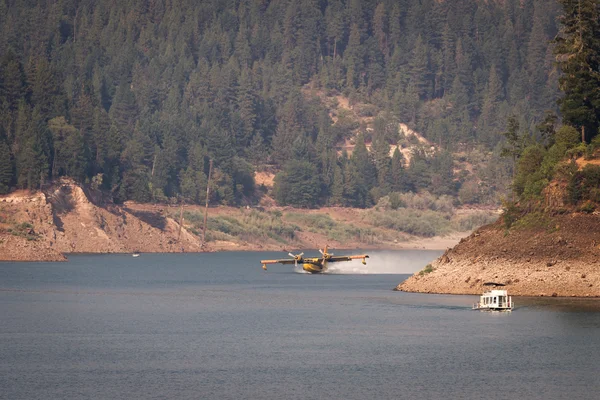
<point>314,265</point>
<point>313,268</point>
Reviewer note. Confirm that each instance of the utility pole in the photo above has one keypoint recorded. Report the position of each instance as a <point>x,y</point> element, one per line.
<point>180,218</point>
<point>210,163</point>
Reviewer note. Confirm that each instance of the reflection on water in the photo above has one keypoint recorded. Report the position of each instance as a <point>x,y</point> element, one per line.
<point>563,304</point>
<point>217,326</point>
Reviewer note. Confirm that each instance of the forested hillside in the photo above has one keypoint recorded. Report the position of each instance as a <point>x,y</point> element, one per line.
<point>135,96</point>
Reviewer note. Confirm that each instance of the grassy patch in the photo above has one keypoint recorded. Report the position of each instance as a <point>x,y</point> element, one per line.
<point>470,222</point>
<point>25,230</point>
<point>534,221</point>
<point>250,227</point>
<point>428,269</point>
<point>425,223</point>
<point>339,231</point>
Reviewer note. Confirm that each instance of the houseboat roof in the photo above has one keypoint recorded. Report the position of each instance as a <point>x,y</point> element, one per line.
<point>495,292</point>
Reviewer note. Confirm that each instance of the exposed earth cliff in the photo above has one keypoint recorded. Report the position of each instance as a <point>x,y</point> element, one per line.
<point>68,218</point>
<point>555,255</point>
<point>43,226</point>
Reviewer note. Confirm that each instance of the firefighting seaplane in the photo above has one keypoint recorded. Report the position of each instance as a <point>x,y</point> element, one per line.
<point>314,265</point>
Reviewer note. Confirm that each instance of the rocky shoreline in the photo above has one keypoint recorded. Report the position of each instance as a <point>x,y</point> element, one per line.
<point>69,218</point>
<point>66,219</point>
<point>562,262</point>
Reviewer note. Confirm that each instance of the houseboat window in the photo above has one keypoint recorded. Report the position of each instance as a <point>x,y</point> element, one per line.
<point>494,299</point>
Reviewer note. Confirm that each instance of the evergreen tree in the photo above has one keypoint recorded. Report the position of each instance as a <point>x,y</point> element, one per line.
<point>492,100</point>
<point>297,185</point>
<point>123,111</point>
<point>515,142</point>
<point>536,49</point>
<point>12,78</point>
<point>68,157</point>
<point>366,171</point>
<point>247,104</point>
<point>380,28</point>
<point>355,188</point>
<point>45,90</point>
<point>290,126</point>
<point>578,51</point>
<point>30,157</point>
<point>353,58</point>
<point>335,18</point>
<point>381,157</point>
<point>337,187</point>
<point>6,167</point>
<point>419,69</point>
<point>397,171</point>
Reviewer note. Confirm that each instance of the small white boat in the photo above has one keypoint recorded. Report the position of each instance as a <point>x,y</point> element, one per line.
<point>136,254</point>
<point>494,300</point>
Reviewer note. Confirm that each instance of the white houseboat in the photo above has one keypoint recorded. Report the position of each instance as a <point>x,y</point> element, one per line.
<point>494,300</point>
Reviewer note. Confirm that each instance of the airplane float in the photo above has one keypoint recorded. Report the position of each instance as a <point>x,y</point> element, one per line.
<point>314,265</point>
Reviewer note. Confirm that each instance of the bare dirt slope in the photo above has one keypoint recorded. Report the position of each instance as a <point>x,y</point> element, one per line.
<point>559,258</point>
<point>67,218</point>
<point>42,226</point>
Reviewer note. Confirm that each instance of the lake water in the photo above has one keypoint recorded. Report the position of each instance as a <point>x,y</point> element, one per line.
<point>216,326</point>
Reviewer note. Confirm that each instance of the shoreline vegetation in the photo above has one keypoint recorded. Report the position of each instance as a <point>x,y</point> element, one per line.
<point>69,218</point>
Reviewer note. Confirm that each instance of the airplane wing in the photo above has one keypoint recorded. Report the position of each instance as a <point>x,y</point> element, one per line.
<point>347,258</point>
<point>282,261</point>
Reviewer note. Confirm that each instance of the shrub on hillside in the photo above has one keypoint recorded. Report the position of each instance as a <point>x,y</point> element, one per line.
<point>583,185</point>
<point>473,221</point>
<point>567,136</point>
<point>421,223</point>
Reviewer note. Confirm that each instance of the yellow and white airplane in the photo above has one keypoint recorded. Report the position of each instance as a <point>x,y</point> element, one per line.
<point>314,265</point>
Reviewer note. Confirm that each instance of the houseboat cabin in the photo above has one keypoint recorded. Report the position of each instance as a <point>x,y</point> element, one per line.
<point>494,300</point>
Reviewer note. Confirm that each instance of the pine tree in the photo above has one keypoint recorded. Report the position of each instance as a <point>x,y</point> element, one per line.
<point>395,28</point>
<point>12,80</point>
<point>353,57</point>
<point>289,127</point>
<point>46,94</point>
<point>355,188</point>
<point>492,99</point>
<point>123,111</point>
<point>31,157</point>
<point>337,187</point>
<point>336,26</point>
<point>6,167</point>
<point>536,49</point>
<point>515,142</point>
<point>397,171</point>
<point>464,70</point>
<point>69,153</point>
<point>297,185</point>
<point>362,159</point>
<point>380,28</point>
<point>419,69</point>
<point>578,53</point>
<point>418,174</point>
<point>381,156</point>
<point>247,105</point>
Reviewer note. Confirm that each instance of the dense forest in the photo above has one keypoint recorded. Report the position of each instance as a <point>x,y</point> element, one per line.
<point>135,96</point>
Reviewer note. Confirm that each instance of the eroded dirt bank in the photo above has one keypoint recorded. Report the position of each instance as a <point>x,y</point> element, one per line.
<point>65,219</point>
<point>560,258</point>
